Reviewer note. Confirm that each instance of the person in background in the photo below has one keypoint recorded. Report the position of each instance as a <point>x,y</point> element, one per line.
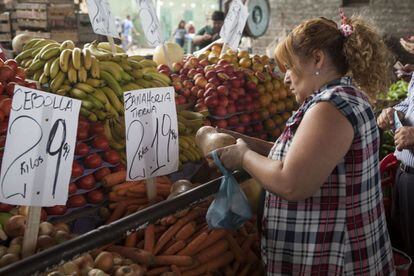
<point>208,33</point>
<point>190,28</point>
<point>402,215</point>
<point>127,29</point>
<point>323,210</point>
<point>179,33</point>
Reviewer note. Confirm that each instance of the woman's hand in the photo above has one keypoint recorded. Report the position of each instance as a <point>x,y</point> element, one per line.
<point>232,156</point>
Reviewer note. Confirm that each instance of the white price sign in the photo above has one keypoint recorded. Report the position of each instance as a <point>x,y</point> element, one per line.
<point>151,132</point>
<point>149,21</point>
<point>234,23</point>
<point>38,156</point>
<point>101,17</point>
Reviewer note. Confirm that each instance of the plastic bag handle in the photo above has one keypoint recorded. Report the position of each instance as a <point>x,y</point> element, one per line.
<point>218,163</point>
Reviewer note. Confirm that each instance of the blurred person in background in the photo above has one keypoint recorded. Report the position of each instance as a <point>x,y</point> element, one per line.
<point>127,29</point>
<point>179,33</point>
<point>208,34</point>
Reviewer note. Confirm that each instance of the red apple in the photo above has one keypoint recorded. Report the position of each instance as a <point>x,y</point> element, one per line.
<point>232,121</point>
<point>180,100</point>
<point>201,107</point>
<point>1,88</point>
<point>186,92</point>
<point>258,127</point>
<point>222,90</point>
<point>194,91</point>
<point>241,107</point>
<point>223,101</point>
<point>201,82</point>
<point>10,89</point>
<point>200,70</point>
<point>200,94</point>
<point>231,108</point>
<point>255,116</point>
<point>204,62</point>
<point>245,118</point>
<point>184,71</point>
<point>198,75</point>
<point>221,123</point>
<point>220,111</point>
<point>177,66</point>
<point>256,105</point>
<point>251,85</point>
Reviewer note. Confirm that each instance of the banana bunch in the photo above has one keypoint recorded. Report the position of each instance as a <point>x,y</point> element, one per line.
<point>189,152</point>
<point>189,121</point>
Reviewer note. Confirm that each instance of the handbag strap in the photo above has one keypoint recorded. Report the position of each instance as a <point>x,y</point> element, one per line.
<point>218,163</point>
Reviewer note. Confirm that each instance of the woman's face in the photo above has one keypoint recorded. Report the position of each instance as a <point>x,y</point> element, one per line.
<point>301,84</point>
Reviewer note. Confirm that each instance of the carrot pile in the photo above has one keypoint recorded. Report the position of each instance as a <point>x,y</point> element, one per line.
<point>182,245</point>
<point>128,197</point>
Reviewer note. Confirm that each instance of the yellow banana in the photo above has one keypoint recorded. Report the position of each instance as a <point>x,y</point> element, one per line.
<point>38,64</point>
<point>95,82</point>
<point>137,74</point>
<point>65,56</point>
<point>57,81</point>
<point>78,94</point>
<point>113,99</point>
<point>43,79</point>
<point>25,54</point>
<point>76,58</point>
<point>96,102</point>
<point>63,90</point>
<point>46,67</point>
<point>99,54</point>
<point>183,142</point>
<point>50,53</point>
<point>112,68</point>
<point>136,58</point>
<point>100,95</point>
<point>95,68</point>
<point>144,83</point>
<point>107,46</point>
<point>67,44</point>
<point>147,63</point>
<point>72,74</point>
<point>87,58</point>
<point>84,112</point>
<point>191,115</point>
<point>30,43</point>
<point>54,67</point>
<point>92,117</point>
<point>134,64</point>
<point>82,74</point>
<point>125,65</point>
<point>131,86</point>
<point>111,110</point>
<point>85,87</point>
<point>102,115</point>
<point>112,83</point>
<point>87,104</point>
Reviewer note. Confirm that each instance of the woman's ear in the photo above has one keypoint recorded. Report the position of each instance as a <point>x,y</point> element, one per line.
<point>319,58</point>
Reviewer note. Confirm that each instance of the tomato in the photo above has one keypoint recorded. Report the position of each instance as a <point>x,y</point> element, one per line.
<point>4,207</point>
<point>5,106</point>
<point>6,73</point>
<point>1,88</point>
<point>76,201</point>
<point>10,88</point>
<point>95,196</point>
<point>82,134</point>
<point>81,149</point>
<point>12,63</point>
<point>120,167</point>
<point>112,157</point>
<point>101,173</point>
<point>83,124</point>
<point>77,169</point>
<point>2,141</point>
<point>20,73</point>
<point>97,128</point>
<point>87,182</point>
<point>93,161</point>
<point>3,127</point>
<point>56,210</point>
<point>43,215</point>
<point>100,142</point>
<point>72,188</point>
<point>32,85</point>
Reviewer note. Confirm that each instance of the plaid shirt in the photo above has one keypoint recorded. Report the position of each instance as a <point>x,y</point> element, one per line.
<point>341,229</point>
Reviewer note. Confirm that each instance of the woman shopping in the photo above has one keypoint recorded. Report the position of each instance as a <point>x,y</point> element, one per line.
<point>323,212</point>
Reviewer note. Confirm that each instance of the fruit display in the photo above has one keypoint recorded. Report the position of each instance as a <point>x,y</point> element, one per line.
<point>180,244</point>
<point>241,92</point>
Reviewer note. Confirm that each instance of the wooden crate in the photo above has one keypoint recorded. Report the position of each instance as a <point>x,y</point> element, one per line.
<point>63,35</point>
<point>6,5</point>
<point>5,27</point>
<point>47,1</point>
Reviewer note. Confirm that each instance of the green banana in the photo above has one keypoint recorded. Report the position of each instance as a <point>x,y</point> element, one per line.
<point>95,82</point>
<point>24,55</point>
<point>49,53</point>
<point>112,83</point>
<point>78,94</point>
<point>112,68</point>
<point>57,81</point>
<point>113,99</point>
<point>100,95</point>
<point>54,68</point>
<point>96,102</point>
<point>85,87</point>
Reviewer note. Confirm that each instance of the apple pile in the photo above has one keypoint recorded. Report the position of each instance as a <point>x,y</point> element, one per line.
<point>241,92</point>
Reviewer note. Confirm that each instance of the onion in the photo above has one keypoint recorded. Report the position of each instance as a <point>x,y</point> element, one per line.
<point>125,271</point>
<point>15,249</point>
<point>18,240</point>
<point>44,242</point>
<point>174,51</point>
<point>69,268</point>
<point>104,261</point>
<point>118,259</point>
<point>8,259</point>
<point>46,228</point>
<point>97,272</point>
<point>15,226</point>
<point>84,261</point>
<point>62,226</point>
<point>61,236</point>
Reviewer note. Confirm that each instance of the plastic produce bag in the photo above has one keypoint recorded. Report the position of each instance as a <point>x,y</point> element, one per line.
<point>230,208</point>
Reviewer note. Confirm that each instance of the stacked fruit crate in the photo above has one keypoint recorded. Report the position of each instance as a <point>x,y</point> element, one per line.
<point>5,28</point>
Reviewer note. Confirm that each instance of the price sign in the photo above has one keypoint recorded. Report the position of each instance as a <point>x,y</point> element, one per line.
<point>234,23</point>
<point>151,132</point>
<point>41,136</point>
<point>149,21</point>
<point>101,17</point>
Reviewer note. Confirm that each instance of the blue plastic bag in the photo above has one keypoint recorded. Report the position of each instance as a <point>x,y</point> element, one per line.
<point>230,208</point>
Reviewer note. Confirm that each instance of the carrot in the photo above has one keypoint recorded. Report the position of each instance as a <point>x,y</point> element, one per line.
<point>131,239</point>
<point>132,208</point>
<point>118,212</point>
<point>213,251</point>
<point>132,194</point>
<point>173,259</point>
<point>194,246</point>
<point>186,231</point>
<point>139,189</point>
<point>176,270</point>
<point>163,179</point>
<point>113,205</point>
<point>158,270</point>
<point>213,236</point>
<point>125,185</point>
<point>176,227</point>
<point>114,179</point>
<point>248,242</point>
<point>149,238</point>
<point>212,265</point>
<point>171,219</point>
<point>235,248</point>
<point>140,245</point>
<point>136,255</point>
<point>245,270</point>
<point>174,248</point>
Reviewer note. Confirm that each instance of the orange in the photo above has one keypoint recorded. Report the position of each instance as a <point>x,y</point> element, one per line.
<point>264,114</point>
<point>278,120</point>
<point>269,125</point>
<point>272,107</point>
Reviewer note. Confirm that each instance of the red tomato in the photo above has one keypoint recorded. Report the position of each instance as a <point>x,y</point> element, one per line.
<point>2,141</point>
<point>81,149</point>
<point>82,134</point>
<point>86,182</point>
<point>43,215</point>
<point>12,63</point>
<point>77,169</point>
<point>76,201</point>
<point>72,188</point>
<point>56,210</point>
<point>4,207</point>
<point>95,196</point>
<point>112,157</point>
<point>3,127</point>
<point>2,116</point>
<point>97,128</point>
<point>10,88</point>
<point>20,73</point>
<point>1,88</point>
<point>5,106</point>
<point>120,167</point>
<point>100,142</point>
<point>93,161</point>
<point>83,124</point>
<point>101,173</point>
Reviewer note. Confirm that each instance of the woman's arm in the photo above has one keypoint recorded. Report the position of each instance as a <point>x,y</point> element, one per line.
<point>320,143</point>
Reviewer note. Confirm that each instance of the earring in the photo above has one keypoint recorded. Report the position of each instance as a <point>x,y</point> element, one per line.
<point>317,73</point>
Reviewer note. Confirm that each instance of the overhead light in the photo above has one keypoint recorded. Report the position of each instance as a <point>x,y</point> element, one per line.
<point>193,5</point>
<point>171,4</point>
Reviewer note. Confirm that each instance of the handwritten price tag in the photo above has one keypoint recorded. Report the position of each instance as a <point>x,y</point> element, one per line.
<point>149,21</point>
<point>151,132</point>
<point>41,136</point>
<point>101,17</point>
<point>234,23</point>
